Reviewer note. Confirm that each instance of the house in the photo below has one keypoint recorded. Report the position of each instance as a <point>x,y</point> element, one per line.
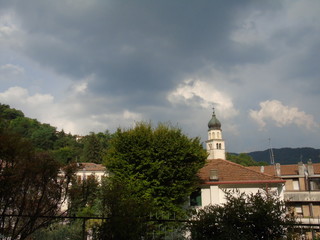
<point>301,193</point>
<point>86,169</point>
<point>220,175</point>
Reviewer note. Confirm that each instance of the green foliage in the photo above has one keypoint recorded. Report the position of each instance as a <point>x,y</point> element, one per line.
<point>58,231</point>
<point>162,163</point>
<point>244,160</point>
<point>8,113</point>
<point>24,126</point>
<point>95,146</point>
<point>41,135</point>
<point>44,137</point>
<point>92,151</point>
<point>30,185</point>
<point>126,212</point>
<point>65,154</point>
<point>83,197</point>
<point>253,216</point>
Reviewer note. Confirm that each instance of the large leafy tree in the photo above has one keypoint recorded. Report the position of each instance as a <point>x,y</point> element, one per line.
<point>162,162</point>
<point>8,113</point>
<point>95,146</point>
<point>253,216</point>
<point>123,210</point>
<point>31,187</point>
<point>92,151</point>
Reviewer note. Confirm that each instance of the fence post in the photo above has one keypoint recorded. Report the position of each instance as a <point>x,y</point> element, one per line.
<point>84,235</point>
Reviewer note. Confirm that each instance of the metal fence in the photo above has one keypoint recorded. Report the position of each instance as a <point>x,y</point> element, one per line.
<point>161,226</point>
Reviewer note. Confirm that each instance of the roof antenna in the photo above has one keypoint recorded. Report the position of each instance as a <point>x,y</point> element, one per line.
<point>271,153</point>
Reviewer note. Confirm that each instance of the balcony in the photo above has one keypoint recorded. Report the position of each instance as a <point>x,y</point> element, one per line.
<point>302,196</point>
<point>308,220</point>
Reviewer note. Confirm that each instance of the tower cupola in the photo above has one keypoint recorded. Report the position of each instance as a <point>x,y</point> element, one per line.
<point>214,123</point>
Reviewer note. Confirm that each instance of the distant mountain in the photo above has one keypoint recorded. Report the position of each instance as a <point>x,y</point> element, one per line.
<point>288,155</point>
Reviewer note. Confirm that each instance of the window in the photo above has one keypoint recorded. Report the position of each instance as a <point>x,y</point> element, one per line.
<point>298,210</point>
<point>295,183</point>
<point>315,184</point>
<point>195,198</point>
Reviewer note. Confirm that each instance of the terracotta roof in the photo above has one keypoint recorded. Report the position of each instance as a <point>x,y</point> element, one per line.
<point>291,169</point>
<point>229,172</point>
<point>91,166</point>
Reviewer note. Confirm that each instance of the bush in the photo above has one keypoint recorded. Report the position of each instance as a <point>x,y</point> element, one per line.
<point>243,216</point>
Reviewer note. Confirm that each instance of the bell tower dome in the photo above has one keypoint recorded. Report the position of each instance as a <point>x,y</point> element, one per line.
<point>215,144</point>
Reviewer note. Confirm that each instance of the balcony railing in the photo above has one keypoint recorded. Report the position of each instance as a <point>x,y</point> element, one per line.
<point>308,220</point>
<point>302,196</point>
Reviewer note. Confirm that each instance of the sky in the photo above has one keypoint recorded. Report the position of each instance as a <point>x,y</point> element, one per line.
<point>94,65</point>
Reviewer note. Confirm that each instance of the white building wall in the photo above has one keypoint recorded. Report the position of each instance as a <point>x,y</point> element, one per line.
<point>215,145</point>
<point>216,195</point>
<point>97,174</point>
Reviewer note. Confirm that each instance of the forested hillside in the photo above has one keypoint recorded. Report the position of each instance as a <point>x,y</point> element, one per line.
<point>64,147</point>
<point>288,155</point>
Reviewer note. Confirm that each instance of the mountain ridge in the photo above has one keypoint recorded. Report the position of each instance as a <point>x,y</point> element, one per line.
<point>287,155</point>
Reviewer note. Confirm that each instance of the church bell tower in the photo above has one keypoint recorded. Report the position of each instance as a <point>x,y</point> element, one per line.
<point>215,144</point>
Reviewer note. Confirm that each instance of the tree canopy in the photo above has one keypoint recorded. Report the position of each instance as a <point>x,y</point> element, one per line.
<point>31,186</point>
<point>243,216</point>
<point>65,147</point>
<point>161,161</point>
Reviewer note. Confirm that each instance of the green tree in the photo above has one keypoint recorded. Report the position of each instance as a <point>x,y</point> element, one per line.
<point>8,113</point>
<point>92,150</point>
<point>24,126</point>
<point>44,136</point>
<point>66,148</point>
<point>58,231</point>
<point>124,210</point>
<point>162,163</point>
<point>83,197</point>
<point>31,186</point>
<point>244,160</point>
<point>248,217</point>
<point>65,155</point>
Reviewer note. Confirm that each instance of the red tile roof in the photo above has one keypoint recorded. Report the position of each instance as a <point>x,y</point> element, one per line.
<point>291,169</point>
<point>232,173</point>
<point>91,166</point>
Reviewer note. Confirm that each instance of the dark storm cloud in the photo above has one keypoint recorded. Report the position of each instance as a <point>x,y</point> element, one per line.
<point>133,47</point>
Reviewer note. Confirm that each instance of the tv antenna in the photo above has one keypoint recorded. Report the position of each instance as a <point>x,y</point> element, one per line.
<point>271,153</point>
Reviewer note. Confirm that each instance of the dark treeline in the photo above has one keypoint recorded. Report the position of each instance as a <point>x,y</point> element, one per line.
<point>64,147</point>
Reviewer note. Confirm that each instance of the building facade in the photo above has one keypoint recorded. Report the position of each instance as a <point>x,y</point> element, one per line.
<point>301,193</point>
<point>220,175</point>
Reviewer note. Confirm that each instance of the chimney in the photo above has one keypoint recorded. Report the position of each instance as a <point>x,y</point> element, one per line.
<point>278,169</point>
<point>301,168</point>
<point>213,175</point>
<point>310,168</point>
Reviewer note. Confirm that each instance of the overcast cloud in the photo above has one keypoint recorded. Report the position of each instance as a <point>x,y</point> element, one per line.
<point>92,65</point>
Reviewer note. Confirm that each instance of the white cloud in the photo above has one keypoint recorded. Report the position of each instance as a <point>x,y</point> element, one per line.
<point>282,115</point>
<point>9,72</point>
<point>20,96</point>
<point>194,92</point>
<point>73,114</point>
